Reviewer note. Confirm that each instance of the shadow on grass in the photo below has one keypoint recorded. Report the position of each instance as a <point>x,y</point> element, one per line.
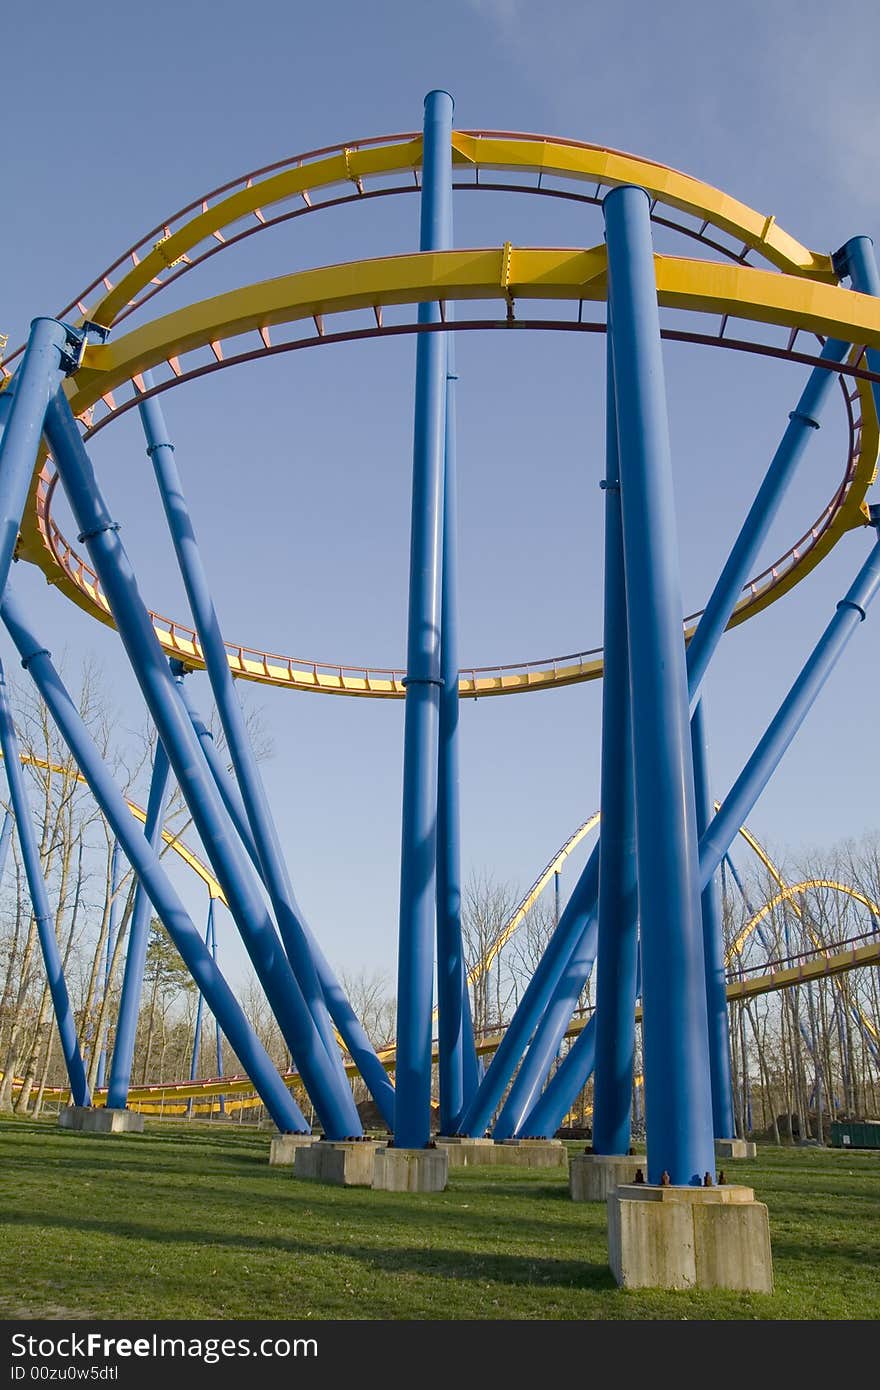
<point>433,1262</point>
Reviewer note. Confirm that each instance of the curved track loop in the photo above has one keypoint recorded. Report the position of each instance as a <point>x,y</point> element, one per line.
<point>187,240</point>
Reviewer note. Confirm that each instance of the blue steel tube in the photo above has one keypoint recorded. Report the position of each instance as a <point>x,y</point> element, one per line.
<point>857,260</point>
<point>217,1029</point>
<point>138,940</point>
<point>272,866</point>
<point>618,948</point>
<point>76,1075</point>
<point>145,862</point>
<point>558,1096</point>
<point>577,916</point>
<point>350,1027</point>
<point>5,840</point>
<point>455,1029</point>
<point>200,1007</point>
<point>415,970</point>
<point>112,929</point>
<point>22,410</point>
<point>335,1106</point>
<point>713,944</point>
<point>761,765</point>
<point>514,1117</point>
<point>678,1090</point>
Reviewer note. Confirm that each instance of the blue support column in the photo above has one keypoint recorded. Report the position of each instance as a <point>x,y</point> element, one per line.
<point>857,260</point>
<point>677,1085</point>
<point>43,916</point>
<point>112,930</point>
<point>713,944</point>
<point>334,1105</point>
<point>145,862</point>
<point>559,1094</point>
<point>350,1027</point>
<point>217,1029</point>
<point>5,840</point>
<point>577,917</point>
<point>455,1028</point>
<point>415,976</point>
<point>273,869</point>
<point>138,940</point>
<point>618,947</point>
<point>514,1119</point>
<point>200,1007</point>
<point>22,411</point>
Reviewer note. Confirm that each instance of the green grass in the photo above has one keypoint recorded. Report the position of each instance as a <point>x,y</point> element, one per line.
<point>192,1222</point>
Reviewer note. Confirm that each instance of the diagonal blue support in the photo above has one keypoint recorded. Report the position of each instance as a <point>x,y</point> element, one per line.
<point>350,1027</point>
<point>43,916</point>
<point>138,939</point>
<point>22,411</point>
<point>713,944</point>
<point>272,866</point>
<point>145,862</point>
<point>200,1007</point>
<point>716,841</point>
<point>567,1082</point>
<point>112,930</point>
<point>5,841</point>
<point>336,1109</point>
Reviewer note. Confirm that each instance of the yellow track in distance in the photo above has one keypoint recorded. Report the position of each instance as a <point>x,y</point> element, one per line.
<point>183,852</point>
<point>150,1099</point>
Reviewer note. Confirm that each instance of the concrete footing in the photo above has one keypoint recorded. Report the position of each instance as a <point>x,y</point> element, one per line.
<point>532,1153</point>
<point>410,1170</point>
<point>735,1148</point>
<point>689,1237</point>
<point>283,1148</point>
<point>594,1177</point>
<point>345,1163</point>
<point>463,1152</point>
<point>99,1120</point>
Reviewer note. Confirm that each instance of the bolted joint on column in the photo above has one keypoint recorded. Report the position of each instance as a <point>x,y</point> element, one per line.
<point>78,339</point>
<point>97,531</point>
<point>851,603</point>
<point>40,651</point>
<point>422,680</point>
<point>804,419</point>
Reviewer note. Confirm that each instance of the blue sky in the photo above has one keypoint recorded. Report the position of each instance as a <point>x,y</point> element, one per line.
<point>298,470</point>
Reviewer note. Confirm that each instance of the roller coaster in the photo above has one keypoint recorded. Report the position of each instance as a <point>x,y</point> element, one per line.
<point>645,911</point>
